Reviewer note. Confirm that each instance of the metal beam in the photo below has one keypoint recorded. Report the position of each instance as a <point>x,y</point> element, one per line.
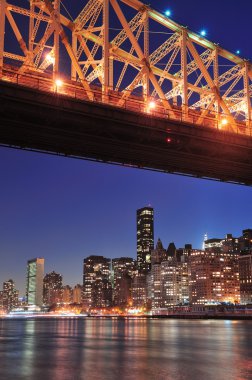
<point>2,31</point>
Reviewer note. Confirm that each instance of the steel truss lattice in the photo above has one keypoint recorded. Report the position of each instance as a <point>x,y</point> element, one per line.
<point>129,50</point>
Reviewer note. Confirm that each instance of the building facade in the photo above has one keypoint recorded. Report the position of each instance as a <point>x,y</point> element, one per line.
<point>123,269</point>
<point>139,290</point>
<point>52,288</point>
<point>67,294</point>
<point>77,294</point>
<point>34,281</point>
<point>97,287</point>
<point>245,273</point>
<point>145,238</point>
<point>158,254</point>
<point>170,283</point>
<point>214,277</point>
<point>9,296</point>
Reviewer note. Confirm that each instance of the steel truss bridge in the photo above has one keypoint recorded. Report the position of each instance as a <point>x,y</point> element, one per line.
<point>120,82</point>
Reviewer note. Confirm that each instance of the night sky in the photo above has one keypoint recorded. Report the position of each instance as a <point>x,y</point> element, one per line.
<point>65,209</point>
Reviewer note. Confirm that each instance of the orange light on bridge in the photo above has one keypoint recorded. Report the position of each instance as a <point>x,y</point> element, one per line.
<point>50,58</point>
<point>152,105</point>
<point>223,122</point>
<point>59,83</point>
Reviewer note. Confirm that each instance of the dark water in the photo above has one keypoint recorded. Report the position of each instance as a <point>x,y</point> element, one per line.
<point>101,349</point>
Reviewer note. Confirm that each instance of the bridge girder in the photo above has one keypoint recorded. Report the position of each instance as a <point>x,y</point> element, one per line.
<point>46,122</point>
<point>180,72</point>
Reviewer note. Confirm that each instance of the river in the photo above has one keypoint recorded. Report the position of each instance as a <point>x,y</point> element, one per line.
<point>112,349</point>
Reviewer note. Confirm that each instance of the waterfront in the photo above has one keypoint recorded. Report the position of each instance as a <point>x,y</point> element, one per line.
<point>125,349</point>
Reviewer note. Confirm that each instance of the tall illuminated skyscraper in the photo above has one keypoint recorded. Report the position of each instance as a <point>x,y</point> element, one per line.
<point>34,287</point>
<point>145,238</point>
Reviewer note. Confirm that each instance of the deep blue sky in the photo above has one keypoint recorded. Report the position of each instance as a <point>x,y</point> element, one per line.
<point>65,209</point>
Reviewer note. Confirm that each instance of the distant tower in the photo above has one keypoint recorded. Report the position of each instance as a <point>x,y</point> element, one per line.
<point>34,285</point>
<point>145,238</point>
<point>205,239</point>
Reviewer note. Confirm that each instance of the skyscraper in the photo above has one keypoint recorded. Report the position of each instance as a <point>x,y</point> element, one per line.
<point>145,238</point>
<point>97,288</point>
<point>123,269</point>
<point>34,287</point>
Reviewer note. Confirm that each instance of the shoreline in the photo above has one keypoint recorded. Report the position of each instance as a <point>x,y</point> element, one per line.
<point>122,317</point>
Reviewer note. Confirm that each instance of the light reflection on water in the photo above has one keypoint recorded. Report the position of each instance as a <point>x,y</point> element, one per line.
<point>110,349</point>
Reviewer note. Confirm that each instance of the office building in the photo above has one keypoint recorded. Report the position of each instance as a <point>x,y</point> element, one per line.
<point>123,269</point>
<point>9,296</point>
<point>170,283</point>
<point>34,284</point>
<point>245,274</point>
<point>245,242</point>
<point>67,294</point>
<point>214,277</point>
<point>52,288</point>
<point>156,298</point>
<point>97,287</point>
<point>77,294</point>
<point>139,290</point>
<point>145,238</point>
<point>158,254</point>
<point>1,300</point>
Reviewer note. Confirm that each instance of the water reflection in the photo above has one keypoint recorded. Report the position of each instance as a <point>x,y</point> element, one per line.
<point>111,349</point>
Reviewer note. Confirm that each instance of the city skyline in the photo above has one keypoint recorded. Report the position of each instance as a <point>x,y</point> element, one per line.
<point>65,210</point>
<point>75,280</point>
<point>175,277</point>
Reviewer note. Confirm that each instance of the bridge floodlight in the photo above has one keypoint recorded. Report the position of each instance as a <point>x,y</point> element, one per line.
<point>58,82</point>
<point>223,122</point>
<point>203,32</point>
<point>168,13</point>
<point>152,105</point>
<point>50,58</point>
<point>238,52</point>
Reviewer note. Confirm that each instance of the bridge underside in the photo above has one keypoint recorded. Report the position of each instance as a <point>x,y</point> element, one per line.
<point>31,119</point>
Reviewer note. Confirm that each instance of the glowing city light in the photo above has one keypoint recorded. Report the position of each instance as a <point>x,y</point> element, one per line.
<point>203,32</point>
<point>238,52</point>
<point>168,13</point>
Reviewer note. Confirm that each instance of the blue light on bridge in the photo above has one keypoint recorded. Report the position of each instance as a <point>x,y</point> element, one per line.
<point>203,32</point>
<point>168,13</point>
<point>238,52</point>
